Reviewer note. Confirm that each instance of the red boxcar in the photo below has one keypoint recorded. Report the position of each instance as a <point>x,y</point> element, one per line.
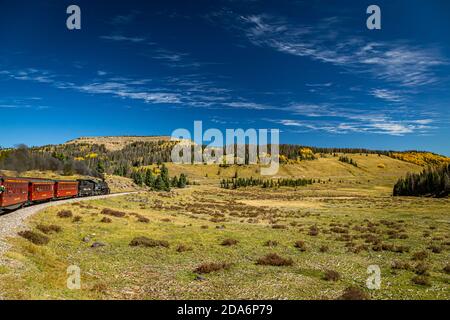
<point>40,190</point>
<point>66,189</point>
<point>14,194</point>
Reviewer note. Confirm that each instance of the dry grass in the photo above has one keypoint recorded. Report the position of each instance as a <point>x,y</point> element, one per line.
<point>350,211</point>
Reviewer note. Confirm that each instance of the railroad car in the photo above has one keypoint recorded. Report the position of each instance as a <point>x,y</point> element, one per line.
<point>41,190</point>
<point>13,193</point>
<point>66,189</point>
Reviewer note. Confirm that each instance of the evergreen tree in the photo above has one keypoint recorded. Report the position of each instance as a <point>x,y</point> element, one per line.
<point>159,184</point>
<point>149,179</point>
<point>137,178</point>
<point>182,181</point>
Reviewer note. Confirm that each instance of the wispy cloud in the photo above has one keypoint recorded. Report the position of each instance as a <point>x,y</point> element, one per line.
<point>398,62</point>
<point>191,90</point>
<point>375,126</point>
<point>123,38</point>
<point>247,105</point>
<point>123,19</point>
<point>388,95</point>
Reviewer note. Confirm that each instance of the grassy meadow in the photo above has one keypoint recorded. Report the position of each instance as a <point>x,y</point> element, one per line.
<point>204,242</point>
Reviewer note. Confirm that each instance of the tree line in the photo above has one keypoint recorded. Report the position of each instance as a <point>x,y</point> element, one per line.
<point>348,160</point>
<point>236,183</point>
<point>433,181</point>
<point>159,182</point>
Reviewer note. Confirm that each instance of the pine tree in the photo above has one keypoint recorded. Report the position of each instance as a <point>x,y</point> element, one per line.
<point>182,181</point>
<point>137,178</point>
<point>149,179</point>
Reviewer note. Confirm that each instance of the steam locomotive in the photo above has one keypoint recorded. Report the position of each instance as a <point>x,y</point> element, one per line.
<point>19,192</point>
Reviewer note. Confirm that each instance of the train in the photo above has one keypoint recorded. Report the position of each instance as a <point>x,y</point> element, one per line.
<point>19,192</point>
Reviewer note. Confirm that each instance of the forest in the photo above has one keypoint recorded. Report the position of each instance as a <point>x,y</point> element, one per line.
<point>433,181</point>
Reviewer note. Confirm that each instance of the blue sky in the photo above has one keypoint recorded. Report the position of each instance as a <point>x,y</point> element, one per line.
<point>309,68</point>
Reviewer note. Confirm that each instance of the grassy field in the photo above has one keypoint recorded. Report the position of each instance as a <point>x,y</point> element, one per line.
<point>344,225</point>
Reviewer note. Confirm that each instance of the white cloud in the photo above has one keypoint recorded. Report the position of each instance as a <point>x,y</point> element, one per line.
<point>246,105</point>
<point>388,95</point>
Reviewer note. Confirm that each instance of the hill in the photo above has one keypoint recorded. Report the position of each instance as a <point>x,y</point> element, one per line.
<point>114,143</point>
<point>124,155</point>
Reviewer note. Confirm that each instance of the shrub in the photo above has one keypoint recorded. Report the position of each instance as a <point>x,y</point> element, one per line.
<point>146,242</point>
<point>420,255</point>
<point>34,237</point>
<point>106,220</point>
<point>313,231</point>
<point>324,248</point>
<point>338,230</point>
<point>143,219</point>
<point>421,269</point>
<point>331,275</point>
<point>421,280</point>
<point>447,269</point>
<point>400,265</point>
<point>65,214</point>
<point>183,248</point>
<point>272,259</point>
<point>359,248</point>
<point>229,242</point>
<point>435,248</point>
<point>300,245</point>
<point>114,213</point>
<point>354,293</point>
<point>400,249</point>
<point>77,219</point>
<point>279,226</point>
<point>48,229</point>
<point>271,243</point>
<point>100,287</point>
<point>212,267</point>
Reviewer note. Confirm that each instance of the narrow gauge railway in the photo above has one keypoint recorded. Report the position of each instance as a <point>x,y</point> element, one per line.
<point>19,192</point>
